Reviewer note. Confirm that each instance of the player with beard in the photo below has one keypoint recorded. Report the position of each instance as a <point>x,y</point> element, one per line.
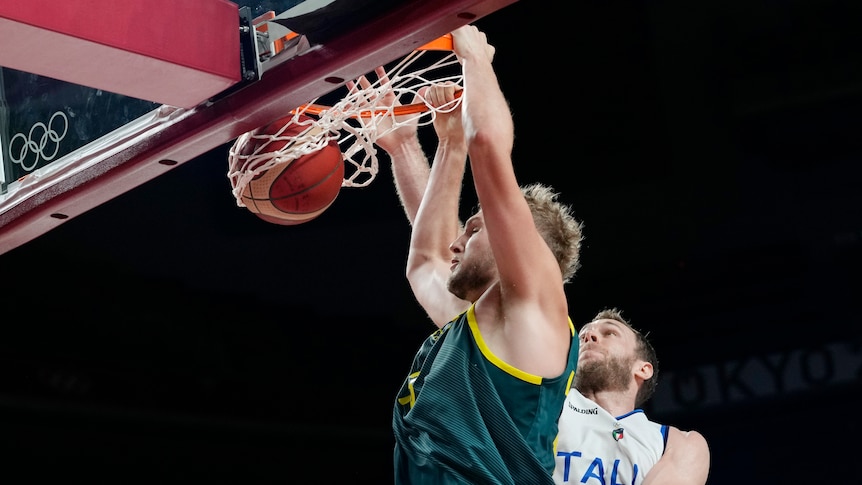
<point>481,400</point>
<point>604,438</point>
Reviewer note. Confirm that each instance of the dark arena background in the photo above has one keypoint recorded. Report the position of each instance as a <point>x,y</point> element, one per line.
<point>712,150</point>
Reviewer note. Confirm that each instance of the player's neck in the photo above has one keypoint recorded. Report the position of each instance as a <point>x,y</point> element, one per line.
<point>616,403</point>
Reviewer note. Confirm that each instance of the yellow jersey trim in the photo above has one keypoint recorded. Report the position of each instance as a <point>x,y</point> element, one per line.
<point>524,376</point>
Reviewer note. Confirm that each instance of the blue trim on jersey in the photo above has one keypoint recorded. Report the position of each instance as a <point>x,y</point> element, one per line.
<point>630,413</point>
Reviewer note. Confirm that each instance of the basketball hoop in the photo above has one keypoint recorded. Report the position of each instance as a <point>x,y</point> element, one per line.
<point>356,120</point>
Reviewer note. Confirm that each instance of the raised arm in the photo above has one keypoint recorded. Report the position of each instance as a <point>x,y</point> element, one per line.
<point>437,221</point>
<point>437,224</point>
<point>534,332</point>
<point>410,168</point>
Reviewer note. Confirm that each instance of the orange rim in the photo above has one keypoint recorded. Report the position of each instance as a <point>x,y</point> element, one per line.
<point>406,109</point>
<point>443,43</point>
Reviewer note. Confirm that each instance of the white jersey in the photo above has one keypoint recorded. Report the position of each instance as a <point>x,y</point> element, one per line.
<point>595,448</point>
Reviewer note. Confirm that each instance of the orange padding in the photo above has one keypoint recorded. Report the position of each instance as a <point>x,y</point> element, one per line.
<point>443,43</point>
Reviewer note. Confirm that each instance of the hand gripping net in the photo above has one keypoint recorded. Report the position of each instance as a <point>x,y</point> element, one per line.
<point>356,121</point>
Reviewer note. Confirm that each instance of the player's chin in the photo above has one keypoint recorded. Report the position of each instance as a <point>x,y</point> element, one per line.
<point>589,356</point>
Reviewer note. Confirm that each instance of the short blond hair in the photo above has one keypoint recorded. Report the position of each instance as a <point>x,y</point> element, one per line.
<point>558,226</point>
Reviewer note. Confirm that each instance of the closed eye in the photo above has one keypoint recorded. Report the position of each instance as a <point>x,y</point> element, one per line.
<point>472,227</point>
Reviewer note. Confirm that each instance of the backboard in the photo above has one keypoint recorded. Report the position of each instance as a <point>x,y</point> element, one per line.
<point>98,97</point>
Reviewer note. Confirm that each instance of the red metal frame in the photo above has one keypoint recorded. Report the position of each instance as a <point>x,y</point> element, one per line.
<point>159,50</point>
<point>211,125</point>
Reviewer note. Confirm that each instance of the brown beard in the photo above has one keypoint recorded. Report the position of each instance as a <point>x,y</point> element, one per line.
<point>613,374</point>
<point>467,279</point>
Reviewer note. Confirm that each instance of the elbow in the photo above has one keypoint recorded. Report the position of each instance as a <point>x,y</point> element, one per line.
<point>491,133</point>
<point>412,270</point>
<point>488,142</point>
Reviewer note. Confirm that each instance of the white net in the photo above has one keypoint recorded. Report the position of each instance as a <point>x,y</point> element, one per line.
<point>356,121</point>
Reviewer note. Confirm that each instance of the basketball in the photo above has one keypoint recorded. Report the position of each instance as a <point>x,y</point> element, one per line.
<point>297,191</point>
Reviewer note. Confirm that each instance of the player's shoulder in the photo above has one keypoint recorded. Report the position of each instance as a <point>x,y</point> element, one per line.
<point>687,438</point>
<point>688,445</point>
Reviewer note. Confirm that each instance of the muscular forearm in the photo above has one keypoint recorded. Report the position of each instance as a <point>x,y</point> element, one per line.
<point>437,225</point>
<point>487,120</point>
<point>410,170</point>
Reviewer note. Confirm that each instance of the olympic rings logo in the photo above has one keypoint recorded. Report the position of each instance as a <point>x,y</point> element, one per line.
<point>37,142</point>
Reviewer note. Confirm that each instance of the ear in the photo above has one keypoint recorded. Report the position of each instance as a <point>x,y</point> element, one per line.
<point>643,370</point>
